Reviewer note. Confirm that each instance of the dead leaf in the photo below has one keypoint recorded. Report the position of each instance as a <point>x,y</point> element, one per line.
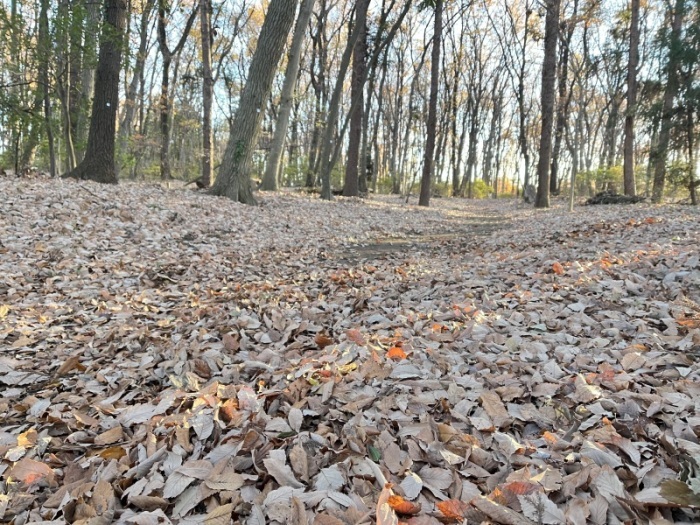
<point>29,472</point>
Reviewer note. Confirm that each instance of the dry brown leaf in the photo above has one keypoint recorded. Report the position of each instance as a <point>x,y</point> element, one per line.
<point>29,472</point>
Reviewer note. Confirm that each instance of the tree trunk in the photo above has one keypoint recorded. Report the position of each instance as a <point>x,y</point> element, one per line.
<point>290,79</point>
<point>424,199</point>
<point>564,100</point>
<point>44,44</point>
<point>98,164</point>
<point>351,187</point>
<point>660,153</point>
<point>63,81</point>
<point>233,180</point>
<point>628,170</point>
<point>692,169</point>
<point>168,55</point>
<point>135,85</point>
<point>549,72</point>
<point>87,73</point>
<point>333,112</point>
<point>207,91</point>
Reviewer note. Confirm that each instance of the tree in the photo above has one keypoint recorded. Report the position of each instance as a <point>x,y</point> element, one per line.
<point>628,169</point>
<point>137,77</point>
<point>98,164</point>
<point>359,57</point>
<point>426,178</point>
<point>564,97</point>
<point>549,72</point>
<point>168,55</point>
<point>290,80</point>
<point>660,152</point>
<point>326,155</point>
<point>207,91</point>
<point>233,180</point>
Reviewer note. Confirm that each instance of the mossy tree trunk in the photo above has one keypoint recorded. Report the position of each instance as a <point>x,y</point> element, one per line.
<point>233,179</point>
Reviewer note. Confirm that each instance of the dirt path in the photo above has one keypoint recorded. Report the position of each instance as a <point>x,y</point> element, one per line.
<point>469,230</point>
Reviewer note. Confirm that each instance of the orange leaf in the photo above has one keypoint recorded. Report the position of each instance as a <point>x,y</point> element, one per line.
<point>498,496</point>
<point>117,453</point>
<point>550,438</point>
<point>689,323</point>
<point>323,340</point>
<point>356,336</point>
<point>558,268</point>
<point>453,509</point>
<point>396,353</point>
<point>402,506</point>
<point>520,488</point>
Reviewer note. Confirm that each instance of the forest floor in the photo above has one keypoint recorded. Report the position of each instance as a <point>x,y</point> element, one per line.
<point>171,357</point>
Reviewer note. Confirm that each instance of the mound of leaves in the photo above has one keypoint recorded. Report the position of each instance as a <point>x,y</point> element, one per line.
<point>608,197</point>
<point>169,357</point>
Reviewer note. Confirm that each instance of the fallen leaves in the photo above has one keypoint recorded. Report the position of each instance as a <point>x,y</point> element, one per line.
<point>170,361</point>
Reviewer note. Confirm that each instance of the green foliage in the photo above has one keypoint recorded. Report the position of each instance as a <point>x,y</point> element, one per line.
<point>679,176</point>
<point>294,175</point>
<point>481,190</point>
<point>384,185</point>
<point>600,179</point>
<point>442,189</point>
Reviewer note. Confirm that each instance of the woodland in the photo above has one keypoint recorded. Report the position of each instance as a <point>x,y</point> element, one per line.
<point>329,262</point>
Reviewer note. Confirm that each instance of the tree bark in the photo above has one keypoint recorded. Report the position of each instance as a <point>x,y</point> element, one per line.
<point>564,100</point>
<point>44,41</point>
<point>168,55</point>
<point>233,180</point>
<point>549,75</point>
<point>352,170</point>
<point>125,126</point>
<point>424,199</point>
<point>207,91</point>
<point>628,169</point>
<point>290,79</point>
<point>660,153</point>
<point>333,112</point>
<point>98,164</point>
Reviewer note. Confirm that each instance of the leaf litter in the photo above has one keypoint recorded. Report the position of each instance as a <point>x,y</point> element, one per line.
<point>168,357</point>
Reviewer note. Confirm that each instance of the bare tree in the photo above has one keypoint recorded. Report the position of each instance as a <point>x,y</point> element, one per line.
<point>426,178</point>
<point>628,170</point>
<point>290,80</point>
<point>549,72</point>
<point>660,152</point>
<point>207,91</point>
<point>168,55</point>
<point>233,180</point>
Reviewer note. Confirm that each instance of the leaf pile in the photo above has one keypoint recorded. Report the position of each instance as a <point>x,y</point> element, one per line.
<point>168,357</point>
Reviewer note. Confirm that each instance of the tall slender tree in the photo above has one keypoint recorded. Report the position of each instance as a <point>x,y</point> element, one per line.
<point>233,180</point>
<point>359,57</point>
<point>168,54</point>
<point>207,90</point>
<point>660,152</point>
<point>98,164</point>
<point>426,177</point>
<point>628,168</point>
<point>290,80</point>
<point>549,75</point>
